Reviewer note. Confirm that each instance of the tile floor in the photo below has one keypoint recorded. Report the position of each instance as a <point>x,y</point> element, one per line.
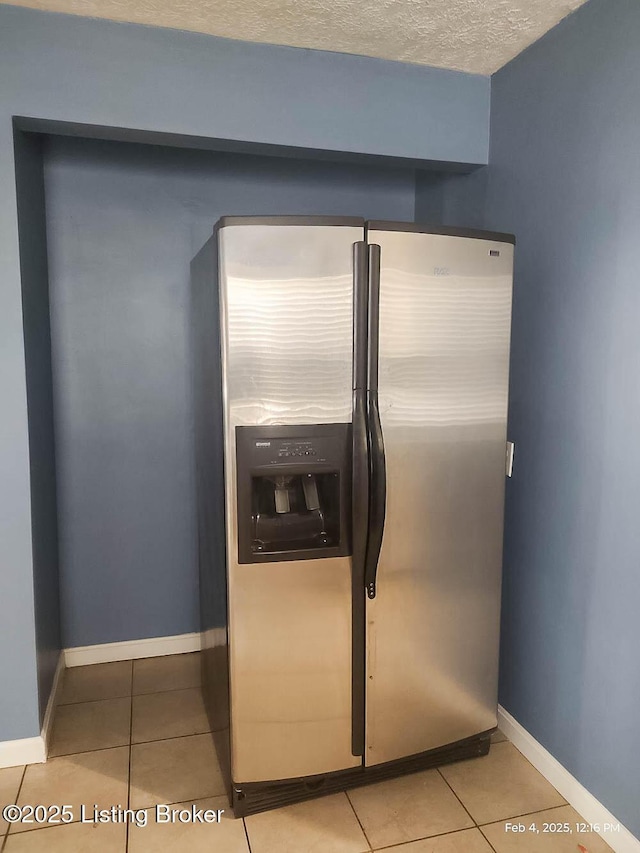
<point>135,734</point>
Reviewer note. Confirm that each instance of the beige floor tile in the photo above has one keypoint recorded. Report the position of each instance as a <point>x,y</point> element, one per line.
<point>325,825</point>
<point>91,725</point>
<point>516,842</point>
<point>87,778</point>
<point>100,681</point>
<point>74,838</point>
<point>173,771</point>
<point>408,808</point>
<point>500,785</point>
<point>173,672</point>
<point>167,715</point>
<point>498,737</point>
<point>466,841</point>
<point>10,778</point>
<point>228,836</point>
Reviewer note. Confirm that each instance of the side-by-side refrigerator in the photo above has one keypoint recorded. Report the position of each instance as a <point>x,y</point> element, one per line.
<point>350,390</point>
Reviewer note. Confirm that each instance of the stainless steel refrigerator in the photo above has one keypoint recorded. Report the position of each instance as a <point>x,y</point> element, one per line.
<point>350,388</point>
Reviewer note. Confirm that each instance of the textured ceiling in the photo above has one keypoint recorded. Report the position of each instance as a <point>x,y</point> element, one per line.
<point>479,36</point>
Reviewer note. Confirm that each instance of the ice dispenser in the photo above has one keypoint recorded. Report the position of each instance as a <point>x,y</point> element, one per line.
<point>294,488</point>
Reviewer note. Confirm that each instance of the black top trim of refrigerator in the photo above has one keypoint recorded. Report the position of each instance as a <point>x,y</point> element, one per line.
<point>444,230</point>
<point>225,221</point>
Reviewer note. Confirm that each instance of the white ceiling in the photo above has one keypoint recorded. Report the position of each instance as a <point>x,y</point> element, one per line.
<point>479,36</point>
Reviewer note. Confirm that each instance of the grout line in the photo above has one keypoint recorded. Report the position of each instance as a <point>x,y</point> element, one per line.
<point>91,701</point>
<point>24,773</point>
<point>171,737</point>
<point>86,751</point>
<point>487,840</point>
<point>442,776</point>
<point>523,814</point>
<point>475,823</point>
<point>197,686</point>
<point>246,833</point>
<point>137,743</point>
<point>526,814</point>
<point>128,695</point>
<point>428,837</point>
<point>6,837</point>
<point>353,809</point>
<point>126,845</point>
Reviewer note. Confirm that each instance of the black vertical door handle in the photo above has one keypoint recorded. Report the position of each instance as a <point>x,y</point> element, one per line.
<point>359,494</point>
<point>377,464</point>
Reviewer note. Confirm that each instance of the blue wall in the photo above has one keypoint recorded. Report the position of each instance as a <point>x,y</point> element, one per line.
<point>37,344</point>
<point>565,176</point>
<point>124,222</point>
<point>457,200</point>
<point>117,76</point>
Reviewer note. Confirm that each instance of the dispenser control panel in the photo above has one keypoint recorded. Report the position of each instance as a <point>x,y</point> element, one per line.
<point>279,451</point>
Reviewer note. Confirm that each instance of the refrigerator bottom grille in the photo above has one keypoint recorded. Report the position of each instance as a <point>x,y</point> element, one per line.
<point>256,797</point>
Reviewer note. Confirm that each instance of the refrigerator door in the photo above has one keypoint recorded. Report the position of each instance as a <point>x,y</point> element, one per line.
<point>433,625</point>
<point>286,290</point>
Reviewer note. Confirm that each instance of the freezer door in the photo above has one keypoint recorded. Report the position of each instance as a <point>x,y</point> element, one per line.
<point>287,326</point>
<point>433,626</point>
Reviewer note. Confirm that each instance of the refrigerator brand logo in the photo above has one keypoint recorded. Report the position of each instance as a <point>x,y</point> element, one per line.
<point>441,270</point>
<point>494,253</point>
<point>263,444</point>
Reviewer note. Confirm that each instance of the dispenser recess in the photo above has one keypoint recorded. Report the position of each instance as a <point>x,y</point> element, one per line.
<point>294,492</point>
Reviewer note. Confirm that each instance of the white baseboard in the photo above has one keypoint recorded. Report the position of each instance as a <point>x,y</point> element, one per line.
<point>573,791</point>
<point>26,750</point>
<point>132,649</point>
<point>52,702</point>
<point>33,750</point>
